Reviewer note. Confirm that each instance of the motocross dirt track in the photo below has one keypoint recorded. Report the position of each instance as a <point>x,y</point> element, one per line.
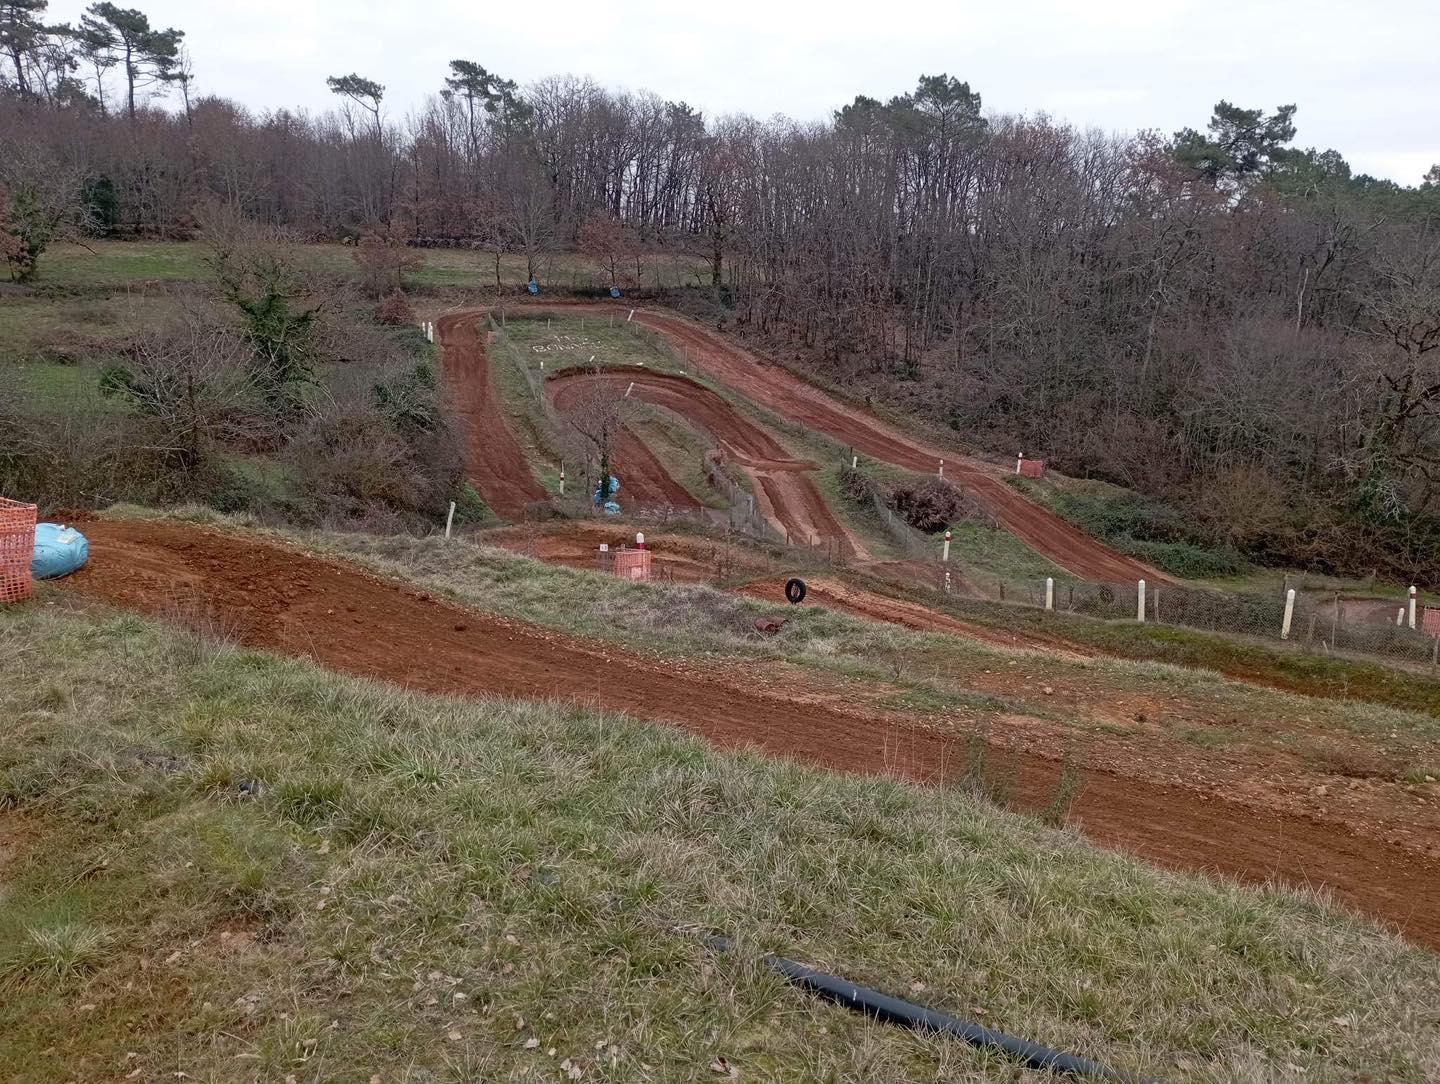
<point>788,497</point>
<point>494,463</point>
<point>776,388</point>
<point>270,596</point>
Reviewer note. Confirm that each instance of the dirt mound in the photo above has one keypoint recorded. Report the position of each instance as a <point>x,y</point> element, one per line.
<point>278,598</point>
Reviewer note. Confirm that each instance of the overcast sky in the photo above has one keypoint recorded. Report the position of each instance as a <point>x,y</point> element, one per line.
<point>1365,73</point>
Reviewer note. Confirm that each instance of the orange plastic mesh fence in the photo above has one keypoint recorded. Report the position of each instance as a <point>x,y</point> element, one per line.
<point>17,546</point>
<point>631,564</point>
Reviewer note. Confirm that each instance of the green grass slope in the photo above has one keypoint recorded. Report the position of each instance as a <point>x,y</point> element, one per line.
<point>231,866</point>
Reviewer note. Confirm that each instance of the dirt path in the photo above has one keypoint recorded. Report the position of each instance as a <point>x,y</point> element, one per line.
<point>786,494</point>
<point>281,599</point>
<point>644,481</point>
<point>494,463</point>
<point>775,387</point>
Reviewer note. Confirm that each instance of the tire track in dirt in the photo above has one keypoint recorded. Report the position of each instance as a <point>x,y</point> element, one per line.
<point>274,597</point>
<point>786,495</point>
<point>494,461</point>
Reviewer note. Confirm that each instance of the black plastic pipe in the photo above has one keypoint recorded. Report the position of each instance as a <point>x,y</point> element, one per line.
<point>893,1010</point>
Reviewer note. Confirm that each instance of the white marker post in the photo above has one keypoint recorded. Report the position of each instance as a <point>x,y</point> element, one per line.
<point>629,389</point>
<point>631,316</point>
<point>854,461</point>
<point>449,519</point>
<point>1019,461</point>
<point>942,469</point>
<point>1140,603</point>
<point>1400,618</point>
<point>1289,614</point>
<point>947,581</point>
<point>1050,592</point>
<point>1410,618</point>
<point>562,480</point>
<point>639,540</point>
<point>945,553</point>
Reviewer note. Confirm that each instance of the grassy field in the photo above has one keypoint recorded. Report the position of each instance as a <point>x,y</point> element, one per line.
<point>234,867</point>
<point>119,263</point>
<point>58,329</point>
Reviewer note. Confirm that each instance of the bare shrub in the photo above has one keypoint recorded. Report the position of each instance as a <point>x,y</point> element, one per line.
<point>394,310</point>
<point>384,260</point>
<point>381,440</point>
<point>928,506</point>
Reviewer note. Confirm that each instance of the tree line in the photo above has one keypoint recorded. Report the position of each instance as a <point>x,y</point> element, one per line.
<point>1217,316</point>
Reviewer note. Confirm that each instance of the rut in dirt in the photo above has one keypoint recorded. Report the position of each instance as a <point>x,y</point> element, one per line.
<point>278,598</point>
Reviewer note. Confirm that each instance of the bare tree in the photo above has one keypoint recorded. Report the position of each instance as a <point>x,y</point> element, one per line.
<point>595,421</point>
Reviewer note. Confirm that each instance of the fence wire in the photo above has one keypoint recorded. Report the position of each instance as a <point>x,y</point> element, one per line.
<point>1319,624</point>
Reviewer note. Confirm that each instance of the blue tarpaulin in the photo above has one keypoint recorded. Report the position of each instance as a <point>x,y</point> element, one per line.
<point>59,551</point>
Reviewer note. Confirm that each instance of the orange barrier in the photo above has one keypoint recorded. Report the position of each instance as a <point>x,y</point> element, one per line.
<point>631,564</point>
<point>1430,621</point>
<point>17,547</point>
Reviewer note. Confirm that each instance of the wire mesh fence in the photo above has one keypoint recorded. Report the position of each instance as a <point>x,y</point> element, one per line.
<point>1365,627</point>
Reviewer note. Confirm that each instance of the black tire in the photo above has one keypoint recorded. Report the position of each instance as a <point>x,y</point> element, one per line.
<point>795,591</point>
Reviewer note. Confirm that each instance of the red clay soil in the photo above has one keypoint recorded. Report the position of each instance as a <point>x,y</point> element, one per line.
<point>273,597</point>
<point>494,463</point>
<point>644,481</point>
<point>786,494</point>
<point>775,387</point>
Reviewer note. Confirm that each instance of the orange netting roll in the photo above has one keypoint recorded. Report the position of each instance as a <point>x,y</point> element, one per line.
<point>17,547</point>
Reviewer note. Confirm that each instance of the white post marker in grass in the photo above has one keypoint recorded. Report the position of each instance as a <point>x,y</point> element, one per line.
<point>945,553</point>
<point>1049,592</point>
<point>947,581</point>
<point>449,519</point>
<point>639,540</point>
<point>942,469</point>
<point>629,389</point>
<point>1289,614</point>
<point>1400,617</point>
<point>1019,460</point>
<point>631,316</point>
<point>1140,602</point>
<point>854,461</point>
<point>1410,617</point>
<point>562,481</point>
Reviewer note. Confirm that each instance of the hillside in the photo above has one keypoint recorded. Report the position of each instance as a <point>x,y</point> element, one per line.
<point>320,872</point>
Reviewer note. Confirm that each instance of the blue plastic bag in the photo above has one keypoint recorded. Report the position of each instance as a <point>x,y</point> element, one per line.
<point>59,551</point>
